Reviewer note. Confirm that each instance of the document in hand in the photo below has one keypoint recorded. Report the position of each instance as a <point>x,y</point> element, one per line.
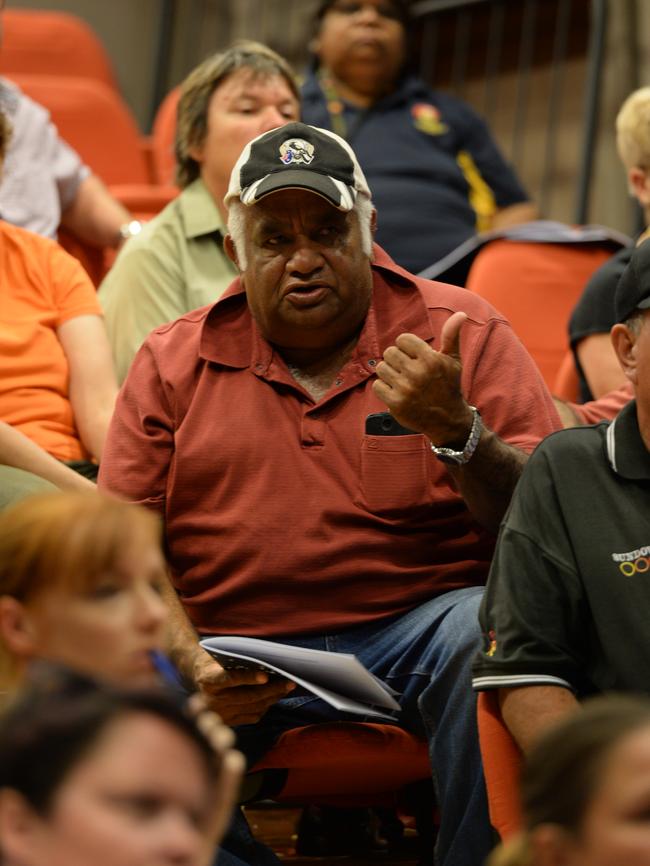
<point>338,678</point>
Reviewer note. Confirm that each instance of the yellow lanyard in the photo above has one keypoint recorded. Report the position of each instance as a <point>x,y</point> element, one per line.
<point>336,108</point>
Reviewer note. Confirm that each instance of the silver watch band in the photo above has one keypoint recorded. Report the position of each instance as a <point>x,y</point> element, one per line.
<point>459,458</point>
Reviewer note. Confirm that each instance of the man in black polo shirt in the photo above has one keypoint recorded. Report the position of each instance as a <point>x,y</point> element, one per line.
<point>566,608</point>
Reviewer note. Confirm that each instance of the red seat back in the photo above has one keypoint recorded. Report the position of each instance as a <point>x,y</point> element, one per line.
<point>38,41</point>
<point>95,121</point>
<point>347,763</point>
<point>163,134</point>
<point>501,764</point>
<point>535,286</point>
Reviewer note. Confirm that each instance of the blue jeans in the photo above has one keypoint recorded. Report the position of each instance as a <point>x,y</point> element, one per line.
<point>425,654</point>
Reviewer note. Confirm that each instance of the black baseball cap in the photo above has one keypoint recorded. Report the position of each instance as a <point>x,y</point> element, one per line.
<point>298,156</point>
<point>633,289</point>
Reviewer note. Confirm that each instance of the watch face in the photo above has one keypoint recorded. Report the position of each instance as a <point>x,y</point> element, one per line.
<point>452,459</point>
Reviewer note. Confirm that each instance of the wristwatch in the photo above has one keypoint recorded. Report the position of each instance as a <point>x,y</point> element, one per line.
<point>459,458</point>
<point>130,229</point>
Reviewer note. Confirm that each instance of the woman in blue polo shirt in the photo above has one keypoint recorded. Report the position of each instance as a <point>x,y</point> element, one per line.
<point>435,173</point>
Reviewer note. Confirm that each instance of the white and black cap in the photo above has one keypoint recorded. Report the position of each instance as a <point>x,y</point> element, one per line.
<point>298,156</point>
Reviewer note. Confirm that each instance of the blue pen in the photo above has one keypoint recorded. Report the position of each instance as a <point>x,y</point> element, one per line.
<point>168,673</point>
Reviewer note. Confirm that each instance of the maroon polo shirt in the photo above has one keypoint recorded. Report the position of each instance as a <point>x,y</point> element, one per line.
<point>281,515</point>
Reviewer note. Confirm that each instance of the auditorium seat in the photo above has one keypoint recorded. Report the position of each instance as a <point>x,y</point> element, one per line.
<point>47,42</point>
<point>501,764</point>
<point>347,763</point>
<point>163,134</point>
<point>95,121</point>
<point>535,285</point>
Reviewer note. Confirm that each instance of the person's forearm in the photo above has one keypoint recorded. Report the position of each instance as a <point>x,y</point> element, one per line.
<point>93,429</point>
<point>92,387</point>
<point>568,416</point>
<point>94,215</point>
<point>515,214</point>
<point>604,409</point>
<point>182,639</point>
<point>487,481</point>
<point>530,710</point>
<point>20,452</point>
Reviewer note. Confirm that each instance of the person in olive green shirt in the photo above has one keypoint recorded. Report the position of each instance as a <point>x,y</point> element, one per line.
<point>177,263</point>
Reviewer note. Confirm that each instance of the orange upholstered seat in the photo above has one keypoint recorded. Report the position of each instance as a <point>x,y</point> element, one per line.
<point>163,134</point>
<point>95,121</point>
<point>347,763</point>
<point>535,286</point>
<point>501,763</point>
<point>39,41</point>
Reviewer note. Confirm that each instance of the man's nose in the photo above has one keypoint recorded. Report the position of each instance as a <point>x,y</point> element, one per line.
<point>306,257</point>
<point>368,13</point>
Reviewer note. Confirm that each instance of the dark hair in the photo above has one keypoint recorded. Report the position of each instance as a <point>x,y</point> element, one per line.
<point>58,716</point>
<point>403,8</point>
<point>200,84</point>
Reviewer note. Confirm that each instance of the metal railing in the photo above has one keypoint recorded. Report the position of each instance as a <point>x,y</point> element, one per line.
<point>532,68</point>
<point>518,41</point>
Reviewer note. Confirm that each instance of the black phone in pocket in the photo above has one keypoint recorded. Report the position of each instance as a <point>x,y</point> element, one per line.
<point>383,424</point>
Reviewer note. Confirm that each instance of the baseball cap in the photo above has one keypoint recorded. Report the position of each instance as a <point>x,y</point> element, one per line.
<point>633,288</point>
<point>298,156</point>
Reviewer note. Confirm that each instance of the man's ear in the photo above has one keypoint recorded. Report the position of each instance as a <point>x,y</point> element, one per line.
<point>639,185</point>
<point>624,344</point>
<point>17,628</point>
<point>19,829</point>
<point>551,845</point>
<point>373,221</point>
<point>231,250</point>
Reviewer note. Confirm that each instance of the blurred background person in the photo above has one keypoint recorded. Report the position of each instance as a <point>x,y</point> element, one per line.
<point>92,774</point>
<point>45,185</point>
<point>57,382</point>
<point>80,581</point>
<point>436,175</point>
<point>177,263</point>
<point>81,576</point>
<point>599,371</point>
<point>585,789</point>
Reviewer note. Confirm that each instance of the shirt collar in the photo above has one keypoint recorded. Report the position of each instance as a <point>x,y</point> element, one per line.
<point>407,88</point>
<point>626,450</point>
<point>199,210</point>
<point>230,337</point>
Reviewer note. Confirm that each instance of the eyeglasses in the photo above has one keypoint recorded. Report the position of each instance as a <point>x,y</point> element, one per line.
<point>384,10</point>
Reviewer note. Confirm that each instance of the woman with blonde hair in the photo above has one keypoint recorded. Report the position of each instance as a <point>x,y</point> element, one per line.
<point>80,580</point>
<point>585,790</point>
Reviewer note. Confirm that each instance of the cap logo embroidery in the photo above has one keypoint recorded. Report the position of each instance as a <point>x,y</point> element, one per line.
<point>296,151</point>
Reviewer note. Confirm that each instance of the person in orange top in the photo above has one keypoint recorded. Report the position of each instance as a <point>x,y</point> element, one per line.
<point>57,383</point>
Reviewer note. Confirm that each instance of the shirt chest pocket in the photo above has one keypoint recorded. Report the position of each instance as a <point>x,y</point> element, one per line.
<point>396,474</point>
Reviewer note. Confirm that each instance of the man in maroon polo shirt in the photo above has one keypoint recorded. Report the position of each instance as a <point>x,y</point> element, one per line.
<point>287,513</point>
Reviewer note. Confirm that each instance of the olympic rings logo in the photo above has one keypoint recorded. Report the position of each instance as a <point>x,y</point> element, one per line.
<point>638,566</point>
